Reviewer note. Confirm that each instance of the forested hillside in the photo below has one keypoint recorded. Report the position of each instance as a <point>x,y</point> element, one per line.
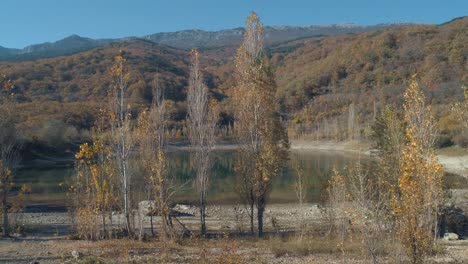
<point>323,81</point>
<point>320,78</point>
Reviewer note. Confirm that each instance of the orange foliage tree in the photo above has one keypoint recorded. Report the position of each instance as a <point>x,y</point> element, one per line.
<point>263,139</point>
<point>94,189</point>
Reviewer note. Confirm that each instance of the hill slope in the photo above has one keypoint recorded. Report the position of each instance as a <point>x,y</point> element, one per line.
<point>318,77</point>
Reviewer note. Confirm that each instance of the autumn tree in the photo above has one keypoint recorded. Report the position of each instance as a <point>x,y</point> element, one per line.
<point>419,117</point>
<point>201,122</point>
<point>152,140</point>
<point>418,194</point>
<point>94,190</point>
<point>8,146</point>
<point>121,127</point>
<point>262,137</point>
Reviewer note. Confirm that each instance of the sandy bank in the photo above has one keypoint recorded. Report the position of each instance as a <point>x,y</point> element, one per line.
<point>457,164</point>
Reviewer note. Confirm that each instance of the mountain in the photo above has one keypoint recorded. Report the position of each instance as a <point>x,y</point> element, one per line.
<point>69,45</point>
<point>6,52</point>
<point>185,39</point>
<point>318,77</point>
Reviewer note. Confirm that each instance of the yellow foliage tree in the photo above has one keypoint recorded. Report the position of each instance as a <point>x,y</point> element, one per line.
<point>94,190</point>
<point>418,195</point>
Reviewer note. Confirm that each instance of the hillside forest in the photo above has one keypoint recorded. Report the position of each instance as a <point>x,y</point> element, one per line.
<point>329,87</point>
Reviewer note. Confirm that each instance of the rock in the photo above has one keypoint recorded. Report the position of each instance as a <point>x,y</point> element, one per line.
<point>75,254</point>
<point>181,207</point>
<point>147,207</point>
<point>450,236</point>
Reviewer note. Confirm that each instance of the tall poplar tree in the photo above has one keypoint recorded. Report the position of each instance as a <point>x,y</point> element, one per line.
<point>418,194</point>
<point>262,137</point>
<point>202,125</point>
<point>121,132</point>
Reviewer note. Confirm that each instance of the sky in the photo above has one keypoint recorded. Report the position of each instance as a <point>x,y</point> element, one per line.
<point>26,22</point>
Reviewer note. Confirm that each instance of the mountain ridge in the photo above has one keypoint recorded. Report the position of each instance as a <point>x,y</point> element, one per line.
<point>185,39</point>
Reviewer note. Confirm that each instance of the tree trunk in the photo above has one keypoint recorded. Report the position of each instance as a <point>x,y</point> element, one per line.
<point>5,227</point>
<point>202,218</point>
<point>260,211</point>
<point>151,224</point>
<point>252,220</point>
<point>104,232</point>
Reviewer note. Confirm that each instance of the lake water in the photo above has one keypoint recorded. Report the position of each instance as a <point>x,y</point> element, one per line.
<point>315,165</point>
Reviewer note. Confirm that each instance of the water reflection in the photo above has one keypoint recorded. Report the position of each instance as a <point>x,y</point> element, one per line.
<point>316,167</point>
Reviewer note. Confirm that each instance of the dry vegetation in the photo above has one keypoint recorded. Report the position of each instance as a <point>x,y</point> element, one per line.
<point>389,212</point>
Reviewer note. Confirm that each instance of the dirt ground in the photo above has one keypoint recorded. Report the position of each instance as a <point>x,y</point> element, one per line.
<point>47,240</point>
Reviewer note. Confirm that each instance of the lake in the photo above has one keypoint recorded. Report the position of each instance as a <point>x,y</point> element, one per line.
<point>48,192</point>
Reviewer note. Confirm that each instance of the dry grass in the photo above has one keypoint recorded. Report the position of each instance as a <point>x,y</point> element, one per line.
<point>312,245</point>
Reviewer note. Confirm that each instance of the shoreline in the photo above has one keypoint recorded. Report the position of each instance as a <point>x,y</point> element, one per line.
<point>452,163</point>
<point>452,160</point>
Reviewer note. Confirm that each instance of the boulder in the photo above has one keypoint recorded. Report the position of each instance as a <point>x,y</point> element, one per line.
<point>75,254</point>
<point>450,236</point>
<point>182,207</point>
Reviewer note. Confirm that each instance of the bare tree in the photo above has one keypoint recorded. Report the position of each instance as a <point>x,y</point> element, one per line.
<point>300,188</point>
<point>8,146</point>
<point>368,211</point>
<point>356,206</point>
<point>152,139</point>
<point>121,131</point>
<point>202,125</point>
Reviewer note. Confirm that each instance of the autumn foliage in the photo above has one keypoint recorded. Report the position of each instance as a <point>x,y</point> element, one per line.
<point>263,139</point>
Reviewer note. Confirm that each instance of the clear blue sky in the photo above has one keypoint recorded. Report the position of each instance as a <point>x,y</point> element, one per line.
<point>26,22</point>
